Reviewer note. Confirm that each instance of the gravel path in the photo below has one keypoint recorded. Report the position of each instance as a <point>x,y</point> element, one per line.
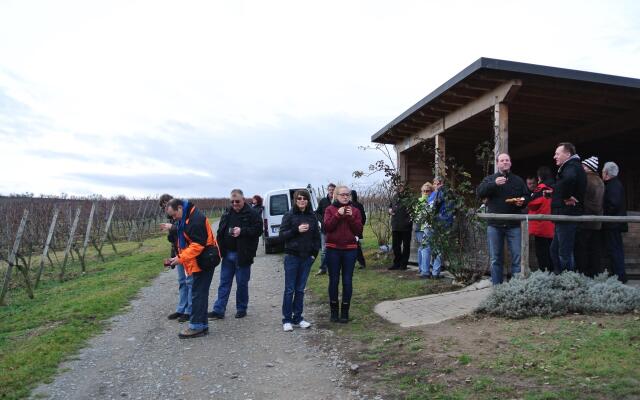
<point>141,357</point>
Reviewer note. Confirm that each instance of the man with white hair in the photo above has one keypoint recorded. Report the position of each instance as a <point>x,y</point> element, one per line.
<point>614,204</point>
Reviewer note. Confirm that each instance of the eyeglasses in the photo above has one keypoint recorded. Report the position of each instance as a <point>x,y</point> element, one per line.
<point>344,194</point>
<point>302,198</point>
<point>236,201</point>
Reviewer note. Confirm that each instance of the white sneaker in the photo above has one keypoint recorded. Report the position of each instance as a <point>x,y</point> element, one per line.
<point>287,327</point>
<point>304,324</point>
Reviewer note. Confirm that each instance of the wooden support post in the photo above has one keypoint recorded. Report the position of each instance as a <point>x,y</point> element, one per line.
<point>12,256</point>
<point>134,225</point>
<point>105,233</point>
<point>403,167</point>
<point>441,156</point>
<point>524,247</point>
<point>87,235</point>
<point>67,250</point>
<point>500,131</point>
<point>45,251</point>
<point>142,222</point>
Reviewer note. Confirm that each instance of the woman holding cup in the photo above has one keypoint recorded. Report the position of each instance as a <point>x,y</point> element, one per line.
<point>342,223</point>
<point>301,234</point>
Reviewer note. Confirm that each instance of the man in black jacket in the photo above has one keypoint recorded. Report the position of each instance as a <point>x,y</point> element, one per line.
<point>401,227</point>
<point>567,199</point>
<point>505,193</point>
<point>322,205</point>
<point>614,204</point>
<point>238,235</point>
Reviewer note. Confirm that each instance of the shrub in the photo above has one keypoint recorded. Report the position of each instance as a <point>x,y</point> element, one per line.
<point>548,295</point>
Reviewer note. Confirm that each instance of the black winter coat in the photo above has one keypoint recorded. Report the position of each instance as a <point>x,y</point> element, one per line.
<point>300,244</point>
<point>322,206</point>
<point>614,204</point>
<point>497,194</point>
<point>570,181</point>
<point>250,232</point>
<point>400,220</point>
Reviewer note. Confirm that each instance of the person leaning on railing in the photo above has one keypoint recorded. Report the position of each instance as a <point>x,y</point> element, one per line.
<point>505,193</point>
<point>614,204</point>
<point>542,231</point>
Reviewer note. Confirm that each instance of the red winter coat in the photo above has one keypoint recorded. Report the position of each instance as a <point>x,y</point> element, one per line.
<point>341,230</point>
<point>540,205</point>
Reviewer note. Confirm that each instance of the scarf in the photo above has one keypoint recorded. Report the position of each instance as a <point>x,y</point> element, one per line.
<point>182,242</point>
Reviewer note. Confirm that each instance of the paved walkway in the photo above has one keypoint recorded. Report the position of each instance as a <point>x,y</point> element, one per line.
<point>141,357</point>
<point>434,308</point>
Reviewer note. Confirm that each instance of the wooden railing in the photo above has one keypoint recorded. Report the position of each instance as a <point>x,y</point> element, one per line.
<point>524,227</point>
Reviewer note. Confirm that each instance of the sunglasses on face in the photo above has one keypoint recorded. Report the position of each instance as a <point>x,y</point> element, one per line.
<point>344,194</point>
<point>236,201</point>
<point>302,199</point>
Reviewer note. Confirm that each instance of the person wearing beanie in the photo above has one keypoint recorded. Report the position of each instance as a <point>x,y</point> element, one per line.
<point>588,249</point>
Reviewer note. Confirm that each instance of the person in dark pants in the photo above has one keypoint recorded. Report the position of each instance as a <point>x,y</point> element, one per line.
<point>588,238</point>
<point>401,227</point>
<point>614,204</point>
<point>354,200</point>
<point>322,206</point>
<point>301,234</point>
<point>342,224</point>
<point>567,199</point>
<point>198,252</point>
<point>505,193</point>
<point>183,309</point>
<point>239,231</point>
<point>542,231</point>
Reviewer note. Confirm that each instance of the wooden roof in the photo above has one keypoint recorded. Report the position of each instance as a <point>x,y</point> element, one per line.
<point>562,104</point>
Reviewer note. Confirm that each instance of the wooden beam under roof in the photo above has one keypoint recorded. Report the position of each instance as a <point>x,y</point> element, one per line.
<point>503,93</point>
<point>596,130</point>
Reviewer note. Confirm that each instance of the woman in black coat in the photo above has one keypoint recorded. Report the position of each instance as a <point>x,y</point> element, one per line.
<point>301,233</point>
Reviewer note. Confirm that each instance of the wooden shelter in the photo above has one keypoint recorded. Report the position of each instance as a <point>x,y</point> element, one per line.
<point>525,109</point>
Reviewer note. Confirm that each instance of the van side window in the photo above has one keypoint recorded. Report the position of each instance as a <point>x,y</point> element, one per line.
<point>278,204</point>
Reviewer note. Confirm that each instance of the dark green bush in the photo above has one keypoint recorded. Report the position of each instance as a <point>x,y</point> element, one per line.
<point>548,295</point>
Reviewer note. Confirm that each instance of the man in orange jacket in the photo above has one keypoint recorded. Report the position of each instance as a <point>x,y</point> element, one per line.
<point>198,253</point>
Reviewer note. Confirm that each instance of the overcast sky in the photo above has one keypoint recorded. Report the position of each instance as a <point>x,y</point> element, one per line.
<point>198,97</point>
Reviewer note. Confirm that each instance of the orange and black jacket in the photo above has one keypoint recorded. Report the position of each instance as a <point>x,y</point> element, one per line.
<point>198,236</point>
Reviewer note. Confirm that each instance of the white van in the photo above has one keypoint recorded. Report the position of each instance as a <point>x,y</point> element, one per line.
<point>276,203</point>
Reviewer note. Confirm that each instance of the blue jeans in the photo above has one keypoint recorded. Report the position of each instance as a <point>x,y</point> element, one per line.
<point>496,236</point>
<point>184,289</point>
<point>425,253</point>
<point>296,273</point>
<point>341,262</point>
<point>200,299</point>
<point>229,269</point>
<point>323,252</point>
<point>564,239</point>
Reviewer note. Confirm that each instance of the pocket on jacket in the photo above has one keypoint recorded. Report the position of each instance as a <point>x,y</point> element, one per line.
<point>209,258</point>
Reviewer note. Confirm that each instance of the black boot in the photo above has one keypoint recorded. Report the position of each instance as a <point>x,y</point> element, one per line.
<point>344,313</point>
<point>334,311</point>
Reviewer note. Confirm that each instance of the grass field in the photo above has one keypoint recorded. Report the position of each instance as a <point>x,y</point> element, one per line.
<point>573,357</point>
<point>37,334</point>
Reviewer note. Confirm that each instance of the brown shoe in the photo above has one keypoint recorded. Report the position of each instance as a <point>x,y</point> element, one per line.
<point>192,333</point>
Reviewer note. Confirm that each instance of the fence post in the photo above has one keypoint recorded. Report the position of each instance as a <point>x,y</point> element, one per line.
<point>67,250</point>
<point>105,233</point>
<point>45,251</point>
<point>12,255</point>
<point>87,235</point>
<point>524,247</point>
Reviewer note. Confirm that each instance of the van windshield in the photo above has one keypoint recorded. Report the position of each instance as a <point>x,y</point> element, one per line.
<point>278,204</point>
